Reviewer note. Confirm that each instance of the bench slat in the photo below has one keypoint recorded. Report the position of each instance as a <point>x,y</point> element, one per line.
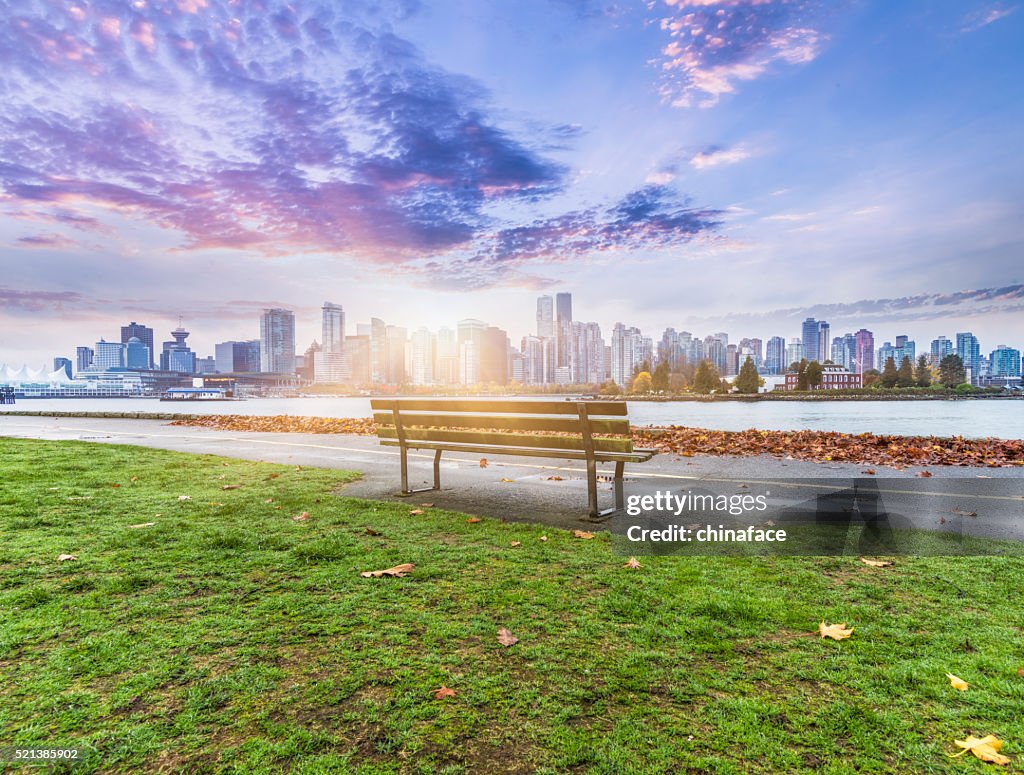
<point>636,456</point>
<point>413,435</point>
<point>594,408</point>
<point>552,424</point>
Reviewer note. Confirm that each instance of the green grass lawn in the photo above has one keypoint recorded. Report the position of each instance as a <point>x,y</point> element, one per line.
<point>229,638</point>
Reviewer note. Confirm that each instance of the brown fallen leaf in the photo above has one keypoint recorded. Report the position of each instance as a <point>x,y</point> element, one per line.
<point>555,479</point>
<point>303,517</point>
<point>868,471</point>
<point>231,487</point>
<point>269,500</point>
<point>985,748</point>
<point>273,476</point>
<point>957,683</point>
<point>516,543</point>
<point>506,638</point>
<point>1020,672</point>
<point>371,532</point>
<point>582,534</point>
<point>834,631</point>
<point>66,557</point>
<point>115,485</point>
<point>473,520</point>
<point>398,571</point>
<point>633,563</point>
<point>505,479</point>
<point>416,512</point>
<point>876,563</point>
<point>444,692</point>
<point>427,505</point>
<point>483,462</point>
<point>141,524</point>
<point>924,474</point>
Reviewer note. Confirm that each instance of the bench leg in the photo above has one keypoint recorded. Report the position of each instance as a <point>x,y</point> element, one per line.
<point>595,512</point>
<point>405,473</point>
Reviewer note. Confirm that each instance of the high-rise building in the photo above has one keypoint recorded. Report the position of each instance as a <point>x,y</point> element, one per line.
<point>144,334</point>
<point>775,355</point>
<point>533,360</point>
<point>470,341</point>
<point>753,348</point>
<point>627,352</point>
<point>333,324</point>
<point>63,363</point>
<point>238,357</point>
<point>563,307</point>
<point>494,351</point>
<point>545,317</point>
<point>356,358</point>
<point>277,341</point>
<point>395,339</point>
<point>794,352</point>
<point>905,348</point>
<point>809,337</point>
<point>421,357</point>
<point>83,358</point>
<point>136,354</point>
<point>969,350</point>
<point>939,349</point>
<point>328,357</point>
<point>1004,362</point>
<point>864,351</point>
<point>732,361</point>
<point>446,359</point>
<point>715,351</point>
<point>108,355</point>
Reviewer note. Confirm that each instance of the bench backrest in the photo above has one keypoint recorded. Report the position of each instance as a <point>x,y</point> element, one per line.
<point>589,426</point>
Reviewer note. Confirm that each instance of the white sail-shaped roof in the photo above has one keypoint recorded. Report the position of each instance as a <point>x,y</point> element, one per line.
<point>59,377</point>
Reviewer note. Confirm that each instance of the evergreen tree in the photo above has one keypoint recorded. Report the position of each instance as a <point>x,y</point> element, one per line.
<point>890,375</point>
<point>923,375</point>
<point>952,371</point>
<point>813,373</point>
<point>801,371</point>
<point>659,379</point>
<point>706,377</point>
<point>905,375</point>
<point>748,380</point>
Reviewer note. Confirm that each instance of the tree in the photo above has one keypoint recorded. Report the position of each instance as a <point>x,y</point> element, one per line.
<point>645,366</point>
<point>801,374</point>
<point>659,379</point>
<point>890,375</point>
<point>951,371</point>
<point>905,375</point>
<point>677,382</point>
<point>748,380</point>
<point>923,375</point>
<point>871,377</point>
<point>610,388</point>
<point>706,378</point>
<point>642,383</point>
<point>813,374</point>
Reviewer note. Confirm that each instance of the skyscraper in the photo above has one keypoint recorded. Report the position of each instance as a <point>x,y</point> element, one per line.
<point>144,334</point>
<point>545,317</point>
<point>939,349</point>
<point>177,356</point>
<point>864,351</point>
<point>237,356</point>
<point>333,338</point>
<point>775,355</point>
<point>328,360</point>
<point>109,355</point>
<point>136,354</point>
<point>470,341</point>
<point>627,349</point>
<point>1005,361</point>
<point>809,337</point>
<point>969,350</point>
<point>83,358</point>
<point>277,341</point>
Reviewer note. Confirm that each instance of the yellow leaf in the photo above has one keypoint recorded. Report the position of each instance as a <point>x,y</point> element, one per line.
<point>473,520</point>
<point>543,538</point>
<point>416,512</point>
<point>398,570</point>
<point>515,544</point>
<point>66,557</point>
<point>876,563</point>
<point>834,631</point>
<point>505,479</point>
<point>985,748</point>
<point>957,683</point>
<point>582,534</point>
<point>633,563</point>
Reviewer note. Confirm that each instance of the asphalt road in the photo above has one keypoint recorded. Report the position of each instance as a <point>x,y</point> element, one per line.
<point>982,502</point>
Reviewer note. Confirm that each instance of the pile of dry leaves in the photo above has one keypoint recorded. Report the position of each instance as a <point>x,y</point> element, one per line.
<point>283,423</point>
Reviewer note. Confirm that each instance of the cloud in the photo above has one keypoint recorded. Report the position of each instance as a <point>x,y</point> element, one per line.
<point>45,241</point>
<point>716,156</point>
<point>36,301</point>
<point>715,46</point>
<point>986,16</point>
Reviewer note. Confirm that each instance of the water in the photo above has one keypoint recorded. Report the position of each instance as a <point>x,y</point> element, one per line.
<point>977,418</point>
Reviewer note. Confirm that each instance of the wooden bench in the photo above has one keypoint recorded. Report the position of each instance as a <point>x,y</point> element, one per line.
<point>594,431</point>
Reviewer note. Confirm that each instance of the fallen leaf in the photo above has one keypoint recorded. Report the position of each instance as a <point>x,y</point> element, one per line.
<point>985,748</point>
<point>473,520</point>
<point>957,683</point>
<point>135,478</point>
<point>269,500</point>
<point>505,479</point>
<point>924,474</point>
<point>444,692</point>
<point>582,534</point>
<point>273,476</point>
<point>834,631</point>
<point>427,505</point>
<point>416,512</point>
<point>398,570</point>
<point>483,462</point>
<point>1020,672</point>
<point>769,523</point>
<point>506,638</point>
<point>141,524</point>
<point>516,543</point>
<point>963,513</point>
<point>184,497</point>
<point>115,485</point>
<point>231,486</point>
<point>876,563</point>
<point>868,471</point>
<point>303,517</point>
<point>554,479</point>
<point>66,557</point>
<point>371,532</point>
<point>543,538</point>
<point>633,563</point>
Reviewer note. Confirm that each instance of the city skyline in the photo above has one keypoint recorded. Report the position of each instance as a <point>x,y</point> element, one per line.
<point>731,165</point>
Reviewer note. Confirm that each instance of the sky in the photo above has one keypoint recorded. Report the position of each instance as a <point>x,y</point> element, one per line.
<point>711,166</point>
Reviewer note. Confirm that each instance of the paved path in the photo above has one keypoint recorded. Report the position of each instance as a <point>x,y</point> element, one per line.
<point>534,495</point>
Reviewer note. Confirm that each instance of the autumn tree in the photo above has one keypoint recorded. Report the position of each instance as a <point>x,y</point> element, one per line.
<point>952,371</point>
<point>890,374</point>
<point>706,378</point>
<point>748,380</point>
<point>801,373</point>
<point>609,388</point>
<point>923,375</point>
<point>871,377</point>
<point>645,366</point>
<point>905,375</point>
<point>813,372</point>
<point>641,383</point>
<point>677,382</point>
<point>659,379</point>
